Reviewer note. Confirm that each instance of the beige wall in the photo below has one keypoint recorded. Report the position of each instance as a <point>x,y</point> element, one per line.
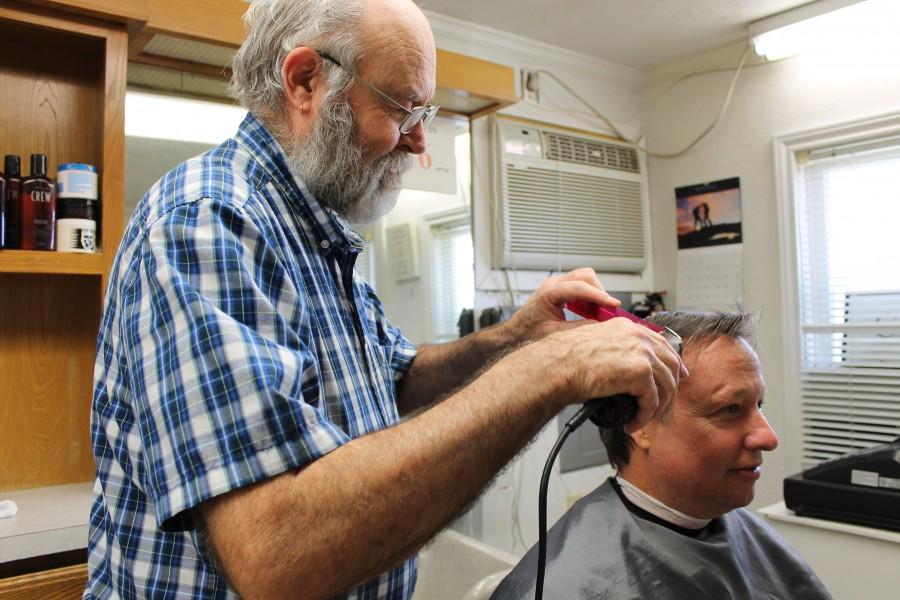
<point>512,499</point>
<point>770,99</point>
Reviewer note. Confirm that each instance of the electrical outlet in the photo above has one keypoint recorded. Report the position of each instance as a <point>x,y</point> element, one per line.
<point>529,82</point>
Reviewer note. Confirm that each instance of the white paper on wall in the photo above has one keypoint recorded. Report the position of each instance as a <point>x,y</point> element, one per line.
<point>402,251</point>
<point>435,169</point>
<point>710,278</point>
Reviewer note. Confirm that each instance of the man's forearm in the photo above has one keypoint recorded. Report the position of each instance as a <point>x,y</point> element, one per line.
<point>370,504</point>
<point>442,368</point>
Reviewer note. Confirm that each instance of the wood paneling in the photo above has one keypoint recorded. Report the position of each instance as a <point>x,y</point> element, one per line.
<point>117,10</point>
<point>66,583</point>
<point>48,333</point>
<point>220,22</point>
<point>175,64</point>
<point>476,77</point>
<point>213,21</point>
<point>111,128</point>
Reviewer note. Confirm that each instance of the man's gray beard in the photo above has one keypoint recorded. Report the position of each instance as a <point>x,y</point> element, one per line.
<point>329,161</point>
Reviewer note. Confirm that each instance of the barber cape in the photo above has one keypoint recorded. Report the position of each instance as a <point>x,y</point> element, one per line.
<point>607,548</point>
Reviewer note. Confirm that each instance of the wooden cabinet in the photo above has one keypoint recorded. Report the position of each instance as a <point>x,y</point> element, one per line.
<point>197,37</point>
<point>62,93</point>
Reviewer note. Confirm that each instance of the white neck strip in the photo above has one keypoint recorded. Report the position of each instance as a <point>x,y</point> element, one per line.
<point>653,506</point>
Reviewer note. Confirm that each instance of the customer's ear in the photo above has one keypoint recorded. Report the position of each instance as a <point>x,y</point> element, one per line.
<point>641,438</point>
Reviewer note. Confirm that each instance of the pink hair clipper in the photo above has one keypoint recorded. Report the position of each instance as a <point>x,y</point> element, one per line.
<point>615,411</point>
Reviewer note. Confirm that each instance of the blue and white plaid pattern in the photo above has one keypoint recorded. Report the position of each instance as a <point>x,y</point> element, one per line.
<point>236,344</point>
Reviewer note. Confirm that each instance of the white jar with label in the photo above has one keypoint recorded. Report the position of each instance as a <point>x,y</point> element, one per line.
<point>76,235</point>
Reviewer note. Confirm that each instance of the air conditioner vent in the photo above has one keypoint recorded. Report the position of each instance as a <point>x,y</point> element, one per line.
<point>574,214</point>
<point>570,201</point>
<point>585,151</point>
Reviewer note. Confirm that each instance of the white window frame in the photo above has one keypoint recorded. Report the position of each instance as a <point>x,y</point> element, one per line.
<point>434,220</point>
<point>786,148</point>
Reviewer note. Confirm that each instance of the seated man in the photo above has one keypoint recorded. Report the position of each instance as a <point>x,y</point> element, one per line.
<point>670,524</point>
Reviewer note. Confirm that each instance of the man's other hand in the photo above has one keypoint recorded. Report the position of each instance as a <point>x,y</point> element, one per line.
<point>543,314</point>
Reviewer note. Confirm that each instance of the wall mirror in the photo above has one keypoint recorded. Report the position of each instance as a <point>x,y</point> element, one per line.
<point>420,255</point>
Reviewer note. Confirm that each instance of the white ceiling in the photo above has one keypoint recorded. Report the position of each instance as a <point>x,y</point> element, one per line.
<point>641,34</point>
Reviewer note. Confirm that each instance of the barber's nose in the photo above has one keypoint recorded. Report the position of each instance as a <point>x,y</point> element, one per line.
<point>761,435</point>
<point>414,141</point>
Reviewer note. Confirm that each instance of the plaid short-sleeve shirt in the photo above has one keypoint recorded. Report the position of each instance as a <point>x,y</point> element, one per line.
<point>236,343</point>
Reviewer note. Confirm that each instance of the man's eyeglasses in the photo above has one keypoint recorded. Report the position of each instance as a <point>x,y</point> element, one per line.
<point>414,115</point>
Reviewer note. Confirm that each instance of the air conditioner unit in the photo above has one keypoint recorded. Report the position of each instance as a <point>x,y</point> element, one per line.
<point>566,200</point>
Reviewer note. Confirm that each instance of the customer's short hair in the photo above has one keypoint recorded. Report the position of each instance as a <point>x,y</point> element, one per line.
<point>697,330</point>
<point>274,28</point>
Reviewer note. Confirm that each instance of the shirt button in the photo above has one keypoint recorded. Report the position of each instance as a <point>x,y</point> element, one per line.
<point>324,244</point>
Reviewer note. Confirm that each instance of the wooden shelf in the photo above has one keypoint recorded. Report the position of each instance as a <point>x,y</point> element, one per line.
<point>65,582</point>
<point>45,262</point>
<point>50,519</point>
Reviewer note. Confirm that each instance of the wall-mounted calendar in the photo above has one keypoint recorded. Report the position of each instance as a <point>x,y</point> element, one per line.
<point>710,249</point>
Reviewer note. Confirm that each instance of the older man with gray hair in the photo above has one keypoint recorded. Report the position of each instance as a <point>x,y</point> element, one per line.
<point>670,525</point>
<point>259,427</point>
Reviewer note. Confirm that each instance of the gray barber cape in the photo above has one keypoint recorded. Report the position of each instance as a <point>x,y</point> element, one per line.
<point>605,547</point>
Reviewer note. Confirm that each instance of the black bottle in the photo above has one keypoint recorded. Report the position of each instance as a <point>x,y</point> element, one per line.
<point>13,227</point>
<point>2,211</point>
<point>38,200</point>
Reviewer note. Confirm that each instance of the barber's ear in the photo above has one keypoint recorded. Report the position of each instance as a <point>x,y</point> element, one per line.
<point>301,74</point>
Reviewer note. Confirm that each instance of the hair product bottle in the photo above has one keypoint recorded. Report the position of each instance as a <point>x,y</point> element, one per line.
<point>76,208</point>
<point>38,207</point>
<point>2,211</point>
<point>12,168</point>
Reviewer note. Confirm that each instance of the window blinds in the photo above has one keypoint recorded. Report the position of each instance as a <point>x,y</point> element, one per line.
<point>454,281</point>
<point>848,233</point>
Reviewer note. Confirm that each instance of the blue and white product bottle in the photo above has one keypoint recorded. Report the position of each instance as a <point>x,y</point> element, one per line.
<point>76,180</point>
<point>77,210</point>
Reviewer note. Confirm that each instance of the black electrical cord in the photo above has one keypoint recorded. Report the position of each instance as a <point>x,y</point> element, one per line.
<point>604,412</point>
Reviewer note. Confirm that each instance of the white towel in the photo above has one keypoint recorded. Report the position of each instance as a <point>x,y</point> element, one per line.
<point>8,509</point>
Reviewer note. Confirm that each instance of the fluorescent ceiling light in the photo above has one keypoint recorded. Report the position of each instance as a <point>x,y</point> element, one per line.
<point>173,118</point>
<point>837,25</point>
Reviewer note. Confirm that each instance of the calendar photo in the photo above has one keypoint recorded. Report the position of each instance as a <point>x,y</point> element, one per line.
<point>709,214</point>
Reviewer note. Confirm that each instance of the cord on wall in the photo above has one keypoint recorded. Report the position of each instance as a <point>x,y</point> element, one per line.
<point>636,141</point>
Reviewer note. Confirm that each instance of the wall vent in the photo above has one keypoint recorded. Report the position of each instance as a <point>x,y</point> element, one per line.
<point>585,151</point>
